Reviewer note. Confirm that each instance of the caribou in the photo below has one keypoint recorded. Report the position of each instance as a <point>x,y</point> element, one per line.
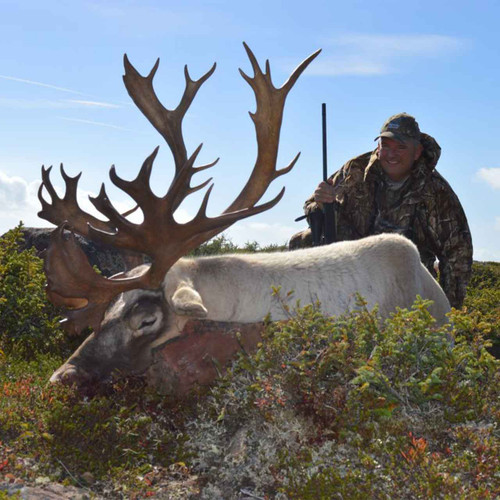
<point>145,310</point>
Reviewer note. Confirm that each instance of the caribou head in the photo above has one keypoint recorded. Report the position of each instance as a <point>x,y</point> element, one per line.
<point>135,312</point>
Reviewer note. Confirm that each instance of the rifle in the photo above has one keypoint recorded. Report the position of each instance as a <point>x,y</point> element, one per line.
<point>330,225</point>
<point>323,224</point>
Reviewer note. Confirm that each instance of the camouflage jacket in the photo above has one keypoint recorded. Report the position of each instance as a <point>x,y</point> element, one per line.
<point>424,208</point>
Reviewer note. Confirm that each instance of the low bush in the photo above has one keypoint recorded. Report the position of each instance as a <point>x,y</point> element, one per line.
<point>122,437</point>
<point>347,408</point>
<point>29,324</point>
<point>483,300</point>
<point>222,245</point>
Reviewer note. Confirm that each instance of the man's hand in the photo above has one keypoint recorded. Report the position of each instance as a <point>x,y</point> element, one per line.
<point>325,192</point>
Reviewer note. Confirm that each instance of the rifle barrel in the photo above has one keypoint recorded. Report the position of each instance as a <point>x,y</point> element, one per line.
<point>325,155</point>
<point>329,228</point>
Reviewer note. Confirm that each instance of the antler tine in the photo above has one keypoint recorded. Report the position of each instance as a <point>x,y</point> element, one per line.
<point>102,203</point>
<point>299,70</point>
<point>200,186</point>
<point>226,219</point>
<point>201,216</point>
<point>253,60</point>
<point>180,185</point>
<point>204,167</point>
<point>48,186</point>
<point>66,208</point>
<point>268,69</point>
<point>71,184</point>
<point>191,190</point>
<point>287,169</point>
<point>192,87</point>
<point>140,186</point>
<point>140,189</point>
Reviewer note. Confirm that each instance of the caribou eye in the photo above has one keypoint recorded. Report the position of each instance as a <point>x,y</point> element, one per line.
<point>147,322</point>
<point>145,314</point>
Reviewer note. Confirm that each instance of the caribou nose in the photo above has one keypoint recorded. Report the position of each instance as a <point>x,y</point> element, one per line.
<point>69,375</point>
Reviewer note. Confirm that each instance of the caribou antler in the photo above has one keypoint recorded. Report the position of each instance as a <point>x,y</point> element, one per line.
<point>71,281</point>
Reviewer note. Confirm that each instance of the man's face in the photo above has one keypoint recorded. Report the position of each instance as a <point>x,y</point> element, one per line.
<point>397,157</point>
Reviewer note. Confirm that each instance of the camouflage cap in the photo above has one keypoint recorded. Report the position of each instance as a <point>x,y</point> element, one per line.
<point>400,127</point>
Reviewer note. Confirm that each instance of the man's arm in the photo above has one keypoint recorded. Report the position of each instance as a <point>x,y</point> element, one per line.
<point>325,192</point>
<point>453,243</point>
<point>338,188</point>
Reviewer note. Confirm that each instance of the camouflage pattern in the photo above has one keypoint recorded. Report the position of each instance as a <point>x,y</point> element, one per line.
<point>424,208</point>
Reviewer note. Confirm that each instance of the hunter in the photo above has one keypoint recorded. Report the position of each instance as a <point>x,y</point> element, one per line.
<point>396,188</point>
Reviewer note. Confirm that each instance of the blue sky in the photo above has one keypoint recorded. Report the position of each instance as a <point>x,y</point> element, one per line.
<point>62,97</point>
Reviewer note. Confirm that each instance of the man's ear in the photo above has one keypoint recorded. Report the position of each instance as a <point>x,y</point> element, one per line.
<point>186,301</point>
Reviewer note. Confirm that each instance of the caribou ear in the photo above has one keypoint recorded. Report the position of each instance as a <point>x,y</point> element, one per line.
<point>186,301</point>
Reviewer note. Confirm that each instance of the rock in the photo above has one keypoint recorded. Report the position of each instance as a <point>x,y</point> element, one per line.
<point>88,478</point>
<point>237,449</point>
<point>49,491</point>
<point>42,480</point>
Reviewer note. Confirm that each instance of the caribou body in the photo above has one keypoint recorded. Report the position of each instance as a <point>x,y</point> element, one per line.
<point>385,270</point>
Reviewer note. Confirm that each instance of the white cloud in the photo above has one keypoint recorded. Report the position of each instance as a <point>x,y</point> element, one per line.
<point>93,104</point>
<point>491,176</point>
<point>40,84</point>
<point>18,201</point>
<point>16,194</point>
<point>349,65</point>
<point>16,103</point>
<point>91,122</point>
<point>366,55</point>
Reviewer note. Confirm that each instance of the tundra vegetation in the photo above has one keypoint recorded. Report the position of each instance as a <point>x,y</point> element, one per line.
<point>345,407</point>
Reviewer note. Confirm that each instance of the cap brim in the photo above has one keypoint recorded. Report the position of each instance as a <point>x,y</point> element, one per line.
<point>392,135</point>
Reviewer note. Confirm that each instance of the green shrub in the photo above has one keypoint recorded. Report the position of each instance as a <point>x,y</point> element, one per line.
<point>351,407</point>
<point>483,299</point>
<point>28,322</point>
<point>222,245</point>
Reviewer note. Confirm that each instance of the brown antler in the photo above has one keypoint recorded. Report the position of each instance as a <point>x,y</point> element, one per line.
<point>159,235</point>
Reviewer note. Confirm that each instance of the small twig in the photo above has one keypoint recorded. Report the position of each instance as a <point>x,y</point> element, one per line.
<point>237,336</point>
<point>216,365</point>
<point>73,477</point>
